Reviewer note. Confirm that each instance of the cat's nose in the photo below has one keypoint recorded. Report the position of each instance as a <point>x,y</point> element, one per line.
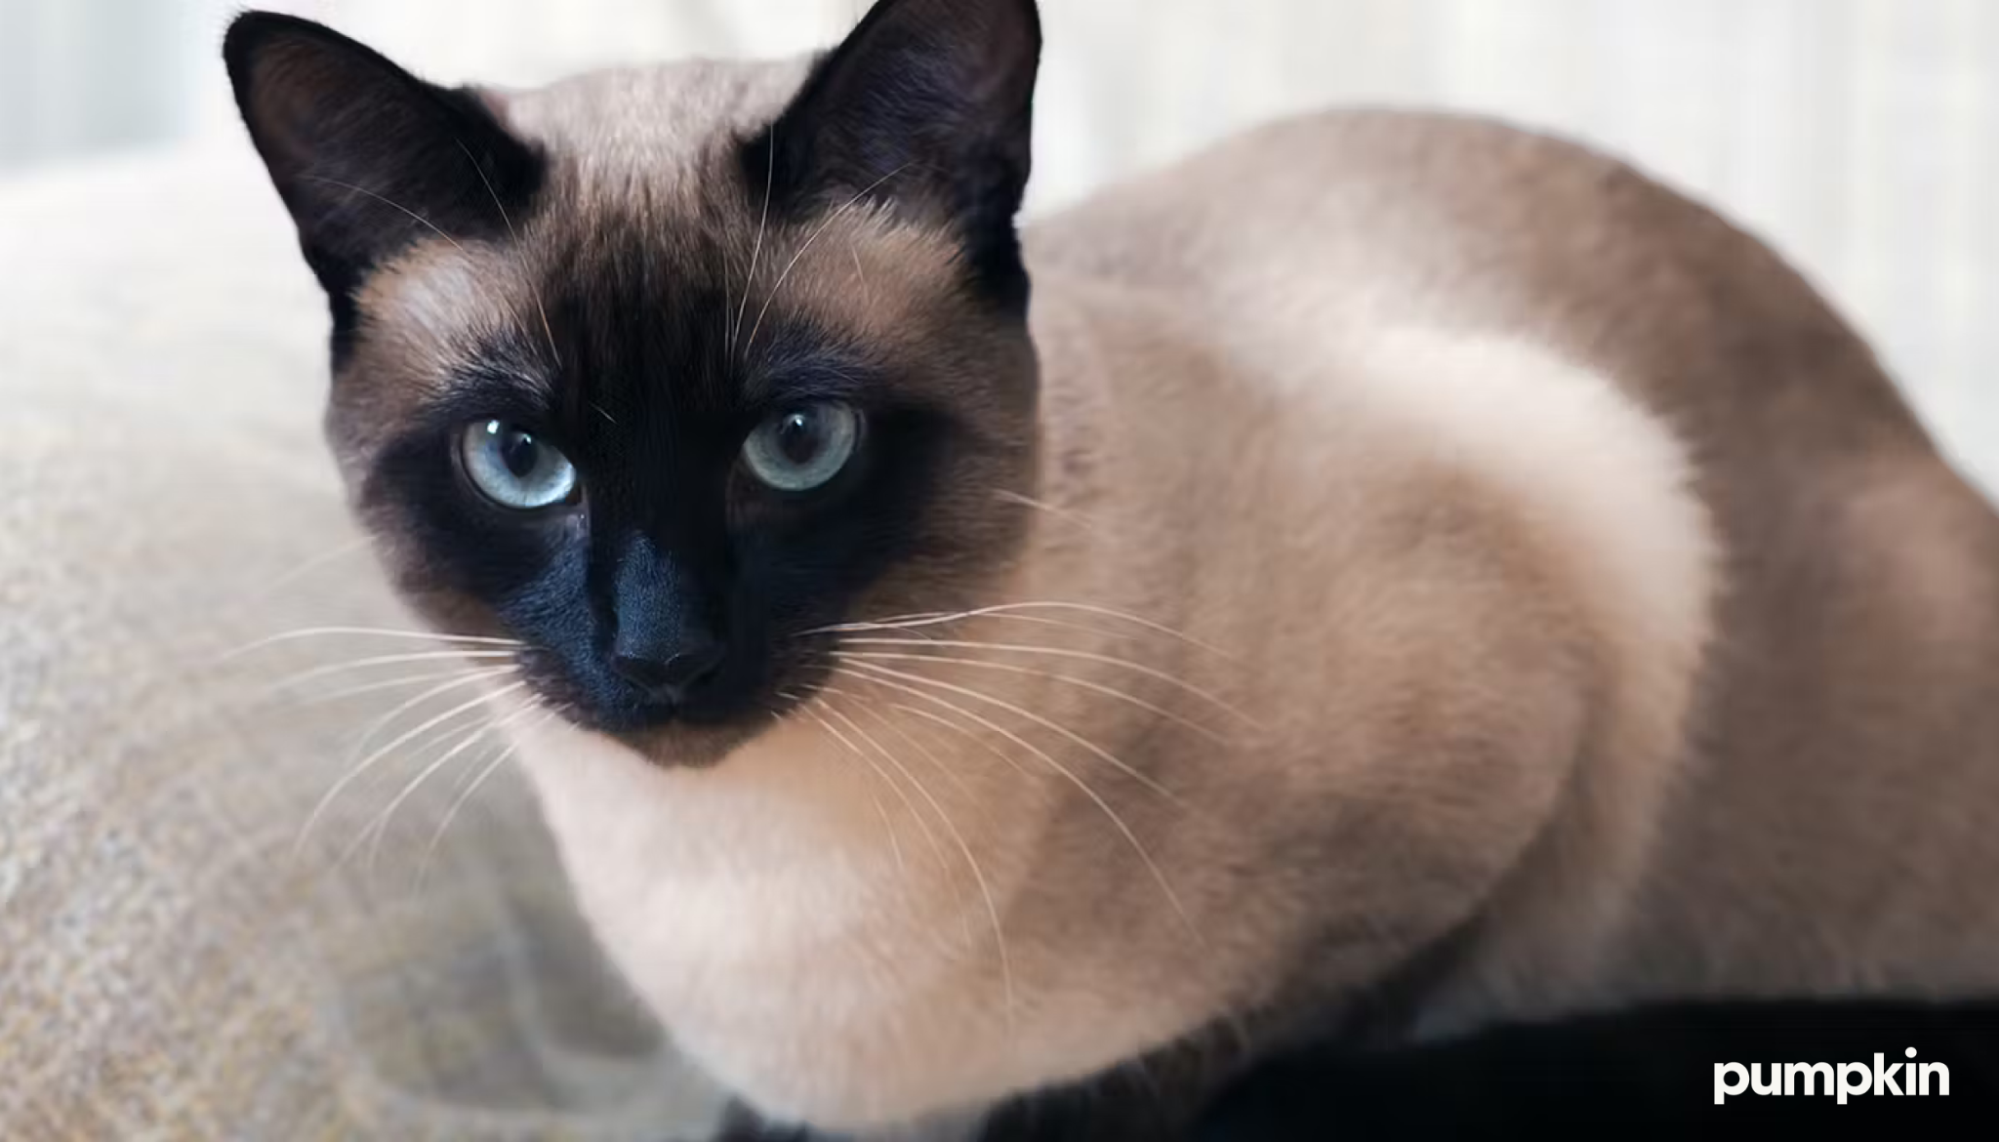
<point>671,677</point>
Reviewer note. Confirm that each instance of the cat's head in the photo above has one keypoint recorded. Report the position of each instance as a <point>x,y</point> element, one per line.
<point>660,371</point>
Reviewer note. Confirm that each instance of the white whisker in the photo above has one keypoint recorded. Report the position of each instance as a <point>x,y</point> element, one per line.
<point>872,708</point>
<point>368,632</point>
<point>463,680</point>
<point>1003,610</point>
<point>547,330</point>
<point>977,696</point>
<point>325,669</point>
<point>383,685</point>
<point>307,567</point>
<point>465,795</point>
<point>930,838</point>
<point>881,811</point>
<point>1010,668</point>
<point>807,245</point>
<point>1104,807</point>
<point>354,774</point>
<point>860,273</point>
<point>978,873</point>
<point>756,253</point>
<point>389,202</point>
<point>940,720</point>
<point>1062,653</point>
<point>438,230</point>
<point>379,826</point>
<point>380,821</point>
<point>918,626</point>
<point>1074,519</point>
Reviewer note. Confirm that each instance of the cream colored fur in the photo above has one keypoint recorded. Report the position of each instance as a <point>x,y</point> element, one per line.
<point>1373,405</point>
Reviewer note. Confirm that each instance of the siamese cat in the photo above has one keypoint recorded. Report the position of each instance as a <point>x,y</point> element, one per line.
<point>1385,575</point>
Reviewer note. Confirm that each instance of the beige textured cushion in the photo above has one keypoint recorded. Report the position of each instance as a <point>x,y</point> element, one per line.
<point>167,968</point>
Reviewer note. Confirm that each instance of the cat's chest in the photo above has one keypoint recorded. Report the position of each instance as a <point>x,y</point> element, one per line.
<point>810,963</point>
<point>729,873</point>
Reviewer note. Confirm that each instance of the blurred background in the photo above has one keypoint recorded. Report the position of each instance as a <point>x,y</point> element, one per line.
<point>1861,136</point>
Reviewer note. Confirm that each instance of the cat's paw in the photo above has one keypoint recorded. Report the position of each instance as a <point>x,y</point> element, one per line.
<point>741,1124</point>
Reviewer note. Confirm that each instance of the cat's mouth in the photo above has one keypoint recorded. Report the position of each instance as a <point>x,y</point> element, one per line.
<point>698,726</point>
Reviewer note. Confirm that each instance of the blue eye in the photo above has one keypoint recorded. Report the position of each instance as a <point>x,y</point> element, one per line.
<point>512,468</point>
<point>802,448</point>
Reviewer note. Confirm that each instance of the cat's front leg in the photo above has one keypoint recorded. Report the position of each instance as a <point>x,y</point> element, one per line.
<point>1098,1110</point>
<point>1164,1095</point>
<point>741,1123</point>
<point>1116,1106</point>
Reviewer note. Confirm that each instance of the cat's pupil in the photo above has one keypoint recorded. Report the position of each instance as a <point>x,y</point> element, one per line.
<point>519,452</point>
<point>799,437</point>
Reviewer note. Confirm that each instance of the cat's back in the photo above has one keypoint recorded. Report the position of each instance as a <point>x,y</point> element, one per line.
<point>1844,702</point>
<point>1302,239</point>
<point>1412,218</point>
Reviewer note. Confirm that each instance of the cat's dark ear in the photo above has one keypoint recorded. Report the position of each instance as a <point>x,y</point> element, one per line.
<point>367,157</point>
<point>927,105</point>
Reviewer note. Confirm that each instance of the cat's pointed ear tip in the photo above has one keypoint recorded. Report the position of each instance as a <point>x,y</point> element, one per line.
<point>250,26</point>
<point>248,32</point>
<point>1024,6</point>
<point>251,30</point>
<point>1028,11</point>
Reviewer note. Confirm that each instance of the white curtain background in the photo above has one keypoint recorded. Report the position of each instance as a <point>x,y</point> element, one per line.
<point>1860,136</point>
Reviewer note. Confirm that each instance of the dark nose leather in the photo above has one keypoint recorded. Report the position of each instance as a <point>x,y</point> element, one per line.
<point>662,643</point>
<point>669,679</point>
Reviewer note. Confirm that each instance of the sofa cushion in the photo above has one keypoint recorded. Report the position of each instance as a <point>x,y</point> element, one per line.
<point>174,960</point>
